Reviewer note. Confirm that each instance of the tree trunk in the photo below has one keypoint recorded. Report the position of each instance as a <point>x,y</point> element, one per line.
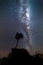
<point>17,44</point>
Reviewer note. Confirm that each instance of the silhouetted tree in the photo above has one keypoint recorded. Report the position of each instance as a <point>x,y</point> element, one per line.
<point>18,37</point>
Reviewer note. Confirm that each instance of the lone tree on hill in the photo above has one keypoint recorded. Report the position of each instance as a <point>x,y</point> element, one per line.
<point>18,37</point>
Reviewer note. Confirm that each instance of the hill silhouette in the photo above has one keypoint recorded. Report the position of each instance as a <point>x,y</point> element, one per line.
<point>21,56</point>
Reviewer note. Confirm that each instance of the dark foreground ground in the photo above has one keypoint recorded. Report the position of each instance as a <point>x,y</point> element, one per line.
<point>21,57</point>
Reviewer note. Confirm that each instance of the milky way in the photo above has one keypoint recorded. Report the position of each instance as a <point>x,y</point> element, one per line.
<point>24,17</point>
<point>24,13</point>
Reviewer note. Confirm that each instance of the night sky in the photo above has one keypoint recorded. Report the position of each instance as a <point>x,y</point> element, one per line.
<point>10,24</point>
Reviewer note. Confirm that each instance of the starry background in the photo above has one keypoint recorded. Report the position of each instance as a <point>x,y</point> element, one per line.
<point>10,24</point>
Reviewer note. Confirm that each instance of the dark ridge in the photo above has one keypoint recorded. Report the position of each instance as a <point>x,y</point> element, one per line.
<point>21,56</point>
